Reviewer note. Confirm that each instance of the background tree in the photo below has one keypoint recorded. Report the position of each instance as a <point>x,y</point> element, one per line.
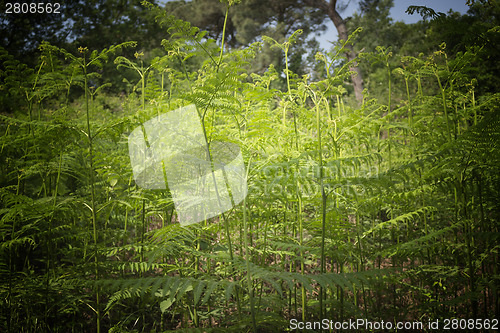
<point>94,24</point>
<point>20,34</point>
<point>379,30</point>
<point>478,28</point>
<point>251,19</point>
<point>330,8</point>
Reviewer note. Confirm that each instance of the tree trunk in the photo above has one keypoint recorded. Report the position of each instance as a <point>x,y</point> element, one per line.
<point>329,8</point>
<point>357,79</point>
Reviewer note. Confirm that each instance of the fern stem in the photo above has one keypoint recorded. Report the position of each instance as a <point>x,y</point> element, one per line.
<point>443,97</point>
<point>143,230</point>
<point>389,108</point>
<point>92,189</point>
<point>248,258</point>
<point>301,242</point>
<point>323,203</point>
<point>474,107</point>
<point>223,38</point>
<point>49,240</point>
<point>287,72</point>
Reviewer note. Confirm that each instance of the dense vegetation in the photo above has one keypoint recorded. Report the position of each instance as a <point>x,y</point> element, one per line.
<point>383,210</point>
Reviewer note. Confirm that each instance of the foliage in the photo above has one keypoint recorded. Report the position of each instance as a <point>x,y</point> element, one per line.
<point>383,211</point>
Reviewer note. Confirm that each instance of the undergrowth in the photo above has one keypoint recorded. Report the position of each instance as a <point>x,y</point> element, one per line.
<point>386,210</point>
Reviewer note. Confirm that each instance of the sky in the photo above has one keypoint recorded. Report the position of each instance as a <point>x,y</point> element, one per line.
<point>397,14</point>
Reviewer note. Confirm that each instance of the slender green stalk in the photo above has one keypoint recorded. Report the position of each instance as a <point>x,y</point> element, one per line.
<point>248,258</point>
<point>443,97</point>
<point>420,91</point>
<point>474,106</point>
<point>287,73</point>
<point>223,38</point>
<point>301,243</point>
<point>92,192</point>
<point>11,263</point>
<point>323,199</point>
<point>389,105</point>
<point>49,242</point>
<point>143,230</point>
<point>410,115</point>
